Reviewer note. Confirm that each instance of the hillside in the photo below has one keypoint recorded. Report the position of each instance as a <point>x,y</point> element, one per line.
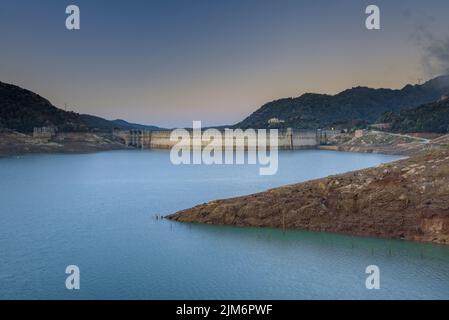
<point>103,124</point>
<point>22,110</point>
<point>348,108</point>
<point>378,142</point>
<point>125,125</point>
<point>432,117</point>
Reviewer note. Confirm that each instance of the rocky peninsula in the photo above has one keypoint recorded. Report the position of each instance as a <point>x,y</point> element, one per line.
<point>406,199</point>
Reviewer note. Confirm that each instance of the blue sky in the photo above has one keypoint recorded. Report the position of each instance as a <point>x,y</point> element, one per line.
<point>171,62</point>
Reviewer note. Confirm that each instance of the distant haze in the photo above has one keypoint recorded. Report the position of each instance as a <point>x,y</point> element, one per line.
<point>170,62</point>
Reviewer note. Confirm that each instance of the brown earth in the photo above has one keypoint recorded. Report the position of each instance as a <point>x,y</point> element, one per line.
<point>406,199</point>
<point>14,143</point>
<point>378,142</point>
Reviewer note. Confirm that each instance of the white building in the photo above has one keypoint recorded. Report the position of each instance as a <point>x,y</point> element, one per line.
<point>274,121</point>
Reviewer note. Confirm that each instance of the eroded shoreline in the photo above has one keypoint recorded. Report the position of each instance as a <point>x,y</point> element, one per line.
<point>17,144</point>
<point>405,199</point>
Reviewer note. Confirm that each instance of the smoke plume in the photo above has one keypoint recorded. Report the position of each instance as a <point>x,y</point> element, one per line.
<point>435,51</point>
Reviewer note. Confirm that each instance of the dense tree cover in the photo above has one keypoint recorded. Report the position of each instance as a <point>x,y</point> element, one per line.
<point>22,110</point>
<point>347,109</point>
<point>432,117</point>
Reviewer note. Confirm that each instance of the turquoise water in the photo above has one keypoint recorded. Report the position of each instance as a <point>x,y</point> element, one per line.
<point>98,211</point>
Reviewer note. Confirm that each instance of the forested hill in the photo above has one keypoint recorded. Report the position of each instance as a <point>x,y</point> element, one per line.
<point>432,117</point>
<point>22,110</point>
<point>346,109</point>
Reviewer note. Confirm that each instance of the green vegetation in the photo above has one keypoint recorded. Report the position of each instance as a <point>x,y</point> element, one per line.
<point>432,117</point>
<point>351,108</point>
<point>22,110</point>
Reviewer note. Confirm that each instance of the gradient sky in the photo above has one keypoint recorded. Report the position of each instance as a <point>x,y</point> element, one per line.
<point>170,62</point>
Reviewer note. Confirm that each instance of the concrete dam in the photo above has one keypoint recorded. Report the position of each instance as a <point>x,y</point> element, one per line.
<point>289,139</point>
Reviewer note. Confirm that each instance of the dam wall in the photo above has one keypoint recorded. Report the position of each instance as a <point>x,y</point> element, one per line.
<point>288,139</point>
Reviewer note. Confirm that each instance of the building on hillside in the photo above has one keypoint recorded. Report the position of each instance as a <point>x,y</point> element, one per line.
<point>44,134</point>
<point>275,121</point>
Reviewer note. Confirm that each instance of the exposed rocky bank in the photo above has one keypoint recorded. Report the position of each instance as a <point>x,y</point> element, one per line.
<point>378,142</point>
<point>406,199</point>
<point>15,143</point>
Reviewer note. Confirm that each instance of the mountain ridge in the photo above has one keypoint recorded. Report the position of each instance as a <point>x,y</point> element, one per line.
<point>22,110</point>
<point>348,108</point>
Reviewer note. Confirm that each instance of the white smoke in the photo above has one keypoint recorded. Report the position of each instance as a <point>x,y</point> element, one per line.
<point>435,51</point>
<point>436,57</point>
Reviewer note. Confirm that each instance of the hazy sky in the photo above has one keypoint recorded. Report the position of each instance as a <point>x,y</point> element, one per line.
<point>170,62</point>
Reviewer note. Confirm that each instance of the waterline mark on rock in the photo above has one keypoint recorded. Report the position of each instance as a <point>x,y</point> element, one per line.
<point>231,146</point>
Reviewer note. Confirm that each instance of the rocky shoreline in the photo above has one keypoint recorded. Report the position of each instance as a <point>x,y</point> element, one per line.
<point>379,142</point>
<point>406,199</point>
<point>14,144</point>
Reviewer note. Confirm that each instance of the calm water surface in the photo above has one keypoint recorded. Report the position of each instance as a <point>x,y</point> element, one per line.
<point>97,211</point>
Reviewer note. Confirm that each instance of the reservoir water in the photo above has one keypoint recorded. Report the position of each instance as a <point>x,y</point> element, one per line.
<point>98,211</point>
